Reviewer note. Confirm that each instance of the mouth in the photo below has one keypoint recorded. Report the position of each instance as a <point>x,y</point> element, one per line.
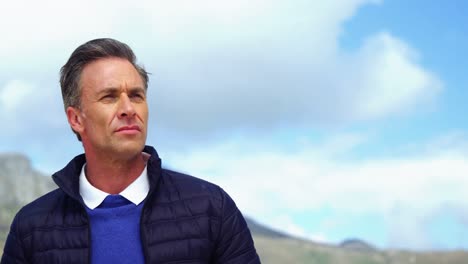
<point>129,130</point>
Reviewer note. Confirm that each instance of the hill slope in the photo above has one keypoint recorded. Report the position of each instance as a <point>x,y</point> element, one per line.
<point>287,250</point>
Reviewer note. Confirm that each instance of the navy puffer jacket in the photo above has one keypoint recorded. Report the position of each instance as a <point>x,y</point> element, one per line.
<point>184,220</point>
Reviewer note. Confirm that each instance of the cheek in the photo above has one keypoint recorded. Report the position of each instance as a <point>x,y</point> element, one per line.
<point>106,115</point>
<point>143,113</point>
<point>101,118</point>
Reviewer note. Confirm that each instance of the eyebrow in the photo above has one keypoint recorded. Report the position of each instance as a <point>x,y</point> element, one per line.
<point>111,90</point>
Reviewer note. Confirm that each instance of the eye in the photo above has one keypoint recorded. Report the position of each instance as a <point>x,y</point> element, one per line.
<point>137,97</point>
<point>108,98</point>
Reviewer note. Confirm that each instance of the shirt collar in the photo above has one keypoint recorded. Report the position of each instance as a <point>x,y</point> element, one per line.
<point>136,192</point>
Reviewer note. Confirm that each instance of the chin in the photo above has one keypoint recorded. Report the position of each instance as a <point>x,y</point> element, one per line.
<point>130,149</point>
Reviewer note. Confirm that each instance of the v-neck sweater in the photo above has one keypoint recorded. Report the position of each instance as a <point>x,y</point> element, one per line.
<point>115,231</point>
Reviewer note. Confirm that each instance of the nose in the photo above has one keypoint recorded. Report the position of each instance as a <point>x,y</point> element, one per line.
<point>126,108</point>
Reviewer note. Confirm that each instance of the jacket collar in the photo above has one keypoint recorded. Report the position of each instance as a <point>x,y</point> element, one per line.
<point>68,178</point>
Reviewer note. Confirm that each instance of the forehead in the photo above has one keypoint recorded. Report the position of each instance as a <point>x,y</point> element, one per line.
<point>109,73</point>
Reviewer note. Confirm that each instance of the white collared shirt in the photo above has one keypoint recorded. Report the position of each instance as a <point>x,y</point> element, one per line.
<point>136,192</point>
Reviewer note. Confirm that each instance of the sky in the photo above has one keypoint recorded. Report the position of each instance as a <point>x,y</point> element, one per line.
<point>328,120</point>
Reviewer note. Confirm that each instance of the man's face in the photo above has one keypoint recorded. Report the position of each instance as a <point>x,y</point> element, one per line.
<point>113,116</point>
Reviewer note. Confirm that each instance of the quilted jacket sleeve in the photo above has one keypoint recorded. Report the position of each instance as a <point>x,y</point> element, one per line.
<point>235,243</point>
<point>13,253</point>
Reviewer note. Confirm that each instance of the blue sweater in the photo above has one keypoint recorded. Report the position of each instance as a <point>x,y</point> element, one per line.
<point>115,231</point>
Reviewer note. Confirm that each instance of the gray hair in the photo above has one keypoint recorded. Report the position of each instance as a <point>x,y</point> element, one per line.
<point>93,50</point>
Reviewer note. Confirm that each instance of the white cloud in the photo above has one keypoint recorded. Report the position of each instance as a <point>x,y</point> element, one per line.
<point>265,183</point>
<point>392,81</point>
<point>312,177</point>
<point>220,67</point>
<point>32,115</point>
<point>286,224</point>
<point>407,229</point>
<point>13,94</point>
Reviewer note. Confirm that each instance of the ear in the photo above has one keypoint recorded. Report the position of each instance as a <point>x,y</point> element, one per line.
<point>75,119</point>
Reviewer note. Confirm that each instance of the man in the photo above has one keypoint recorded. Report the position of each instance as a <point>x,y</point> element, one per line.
<point>115,204</point>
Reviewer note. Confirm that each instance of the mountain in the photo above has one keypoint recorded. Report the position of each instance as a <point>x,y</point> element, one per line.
<point>21,183</point>
<point>289,250</point>
<point>356,244</point>
<point>262,230</point>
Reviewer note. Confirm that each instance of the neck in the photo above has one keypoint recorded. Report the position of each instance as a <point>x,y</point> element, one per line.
<point>113,175</point>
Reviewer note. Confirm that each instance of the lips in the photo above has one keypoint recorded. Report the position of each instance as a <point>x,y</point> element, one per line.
<point>134,128</point>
